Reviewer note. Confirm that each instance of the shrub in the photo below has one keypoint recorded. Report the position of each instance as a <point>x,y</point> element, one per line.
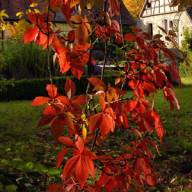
<point>28,89</point>
<point>18,61</point>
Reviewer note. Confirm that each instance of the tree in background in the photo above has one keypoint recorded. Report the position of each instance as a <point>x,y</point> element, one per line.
<point>181,3</point>
<point>134,7</point>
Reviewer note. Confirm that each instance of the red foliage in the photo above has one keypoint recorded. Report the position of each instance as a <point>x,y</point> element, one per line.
<point>82,123</point>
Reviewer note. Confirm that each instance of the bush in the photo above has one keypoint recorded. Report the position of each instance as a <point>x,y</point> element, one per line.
<point>19,61</point>
<point>186,68</point>
<point>28,89</point>
<point>187,40</point>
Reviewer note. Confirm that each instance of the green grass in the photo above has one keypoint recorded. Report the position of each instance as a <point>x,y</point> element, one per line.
<point>26,148</point>
<point>26,153</point>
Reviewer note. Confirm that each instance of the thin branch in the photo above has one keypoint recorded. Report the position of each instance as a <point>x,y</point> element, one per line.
<point>48,47</point>
<point>104,62</point>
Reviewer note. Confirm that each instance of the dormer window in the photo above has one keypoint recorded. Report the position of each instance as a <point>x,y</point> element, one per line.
<point>165,27</point>
<point>148,4</point>
<point>171,24</point>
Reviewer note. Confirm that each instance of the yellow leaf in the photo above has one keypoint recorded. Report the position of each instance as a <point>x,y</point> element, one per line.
<point>36,11</point>
<point>19,14</point>
<point>73,3</point>
<point>32,5</point>
<point>84,132</point>
<point>3,14</point>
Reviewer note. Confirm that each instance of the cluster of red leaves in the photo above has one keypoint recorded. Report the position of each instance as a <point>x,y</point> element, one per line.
<point>69,57</point>
<point>81,124</point>
<point>111,30</point>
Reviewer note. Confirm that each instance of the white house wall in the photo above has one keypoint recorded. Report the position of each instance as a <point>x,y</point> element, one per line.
<point>157,20</point>
<point>185,22</point>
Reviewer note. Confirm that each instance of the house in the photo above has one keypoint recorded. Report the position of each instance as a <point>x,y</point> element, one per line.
<point>160,13</point>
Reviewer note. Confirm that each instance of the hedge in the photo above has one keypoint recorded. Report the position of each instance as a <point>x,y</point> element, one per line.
<point>27,89</point>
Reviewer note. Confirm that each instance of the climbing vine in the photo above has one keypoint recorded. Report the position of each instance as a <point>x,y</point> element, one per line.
<point>82,124</point>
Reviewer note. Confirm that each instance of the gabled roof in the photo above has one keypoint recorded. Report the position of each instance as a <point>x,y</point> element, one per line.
<point>158,7</point>
<point>143,8</point>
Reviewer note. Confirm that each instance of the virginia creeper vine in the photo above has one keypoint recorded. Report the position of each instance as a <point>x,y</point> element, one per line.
<point>83,124</point>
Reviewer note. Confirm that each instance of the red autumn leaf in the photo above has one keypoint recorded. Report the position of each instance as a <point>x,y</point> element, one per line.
<point>129,37</point>
<point>97,83</point>
<point>63,59</point>
<point>66,10</point>
<point>170,96</point>
<point>114,7</point>
<point>125,120</point>
<point>40,101</point>
<point>42,39</point>
<point>90,165</point>
<point>79,144</point>
<point>69,167</point>
<point>57,127</point>
<point>70,125</point>
<point>52,90</point>
<point>102,121</point>
<point>57,45</point>
<point>66,141</point>
<point>55,188</point>
<point>71,36</point>
<point>60,157</point>
<point>131,105</point>
<point>115,26</point>
<point>45,120</point>
<point>55,3</point>
<point>134,84</point>
<point>49,110</point>
<point>174,73</point>
<point>142,165</point>
<point>64,100</point>
<point>70,88</point>
<point>160,78</point>
<point>31,1</point>
<point>76,19</point>
<point>77,71</point>
<point>150,180</point>
<point>83,31</point>
<point>80,165</point>
<point>102,101</point>
<point>81,170</point>
<point>31,34</point>
<point>79,100</point>
<point>158,124</point>
<point>149,87</point>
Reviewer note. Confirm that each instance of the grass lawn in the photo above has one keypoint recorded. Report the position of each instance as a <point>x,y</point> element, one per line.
<point>27,154</point>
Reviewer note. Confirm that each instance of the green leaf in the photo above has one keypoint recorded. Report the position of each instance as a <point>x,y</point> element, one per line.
<point>29,166</point>
<point>53,172</point>
<point>11,188</point>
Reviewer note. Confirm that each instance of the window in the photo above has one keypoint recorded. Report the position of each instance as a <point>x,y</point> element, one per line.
<point>150,29</point>
<point>165,27</point>
<point>176,25</point>
<point>148,4</point>
<point>171,24</point>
